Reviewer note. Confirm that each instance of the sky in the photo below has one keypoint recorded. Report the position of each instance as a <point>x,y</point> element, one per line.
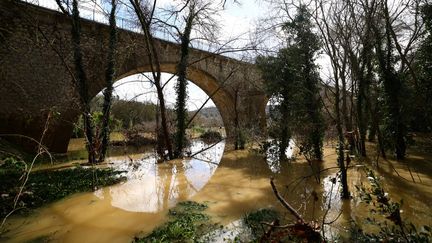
<point>235,19</point>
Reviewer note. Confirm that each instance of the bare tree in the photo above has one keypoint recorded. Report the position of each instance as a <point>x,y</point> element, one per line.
<point>391,54</point>
<point>195,16</point>
<point>327,19</point>
<point>145,13</point>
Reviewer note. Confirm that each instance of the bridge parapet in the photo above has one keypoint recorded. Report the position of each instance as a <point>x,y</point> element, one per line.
<point>96,14</point>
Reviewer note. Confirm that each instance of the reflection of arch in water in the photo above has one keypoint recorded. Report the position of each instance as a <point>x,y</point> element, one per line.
<point>153,187</point>
<point>198,170</point>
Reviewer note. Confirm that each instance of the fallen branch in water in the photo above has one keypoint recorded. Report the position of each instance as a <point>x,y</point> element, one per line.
<point>301,229</point>
<point>205,149</point>
<point>285,203</point>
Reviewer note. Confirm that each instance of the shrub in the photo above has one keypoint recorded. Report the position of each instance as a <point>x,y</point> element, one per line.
<point>211,136</point>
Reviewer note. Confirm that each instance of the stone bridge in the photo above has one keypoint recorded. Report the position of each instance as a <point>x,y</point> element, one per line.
<point>36,62</point>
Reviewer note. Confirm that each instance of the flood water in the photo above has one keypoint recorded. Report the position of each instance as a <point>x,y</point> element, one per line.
<point>232,183</point>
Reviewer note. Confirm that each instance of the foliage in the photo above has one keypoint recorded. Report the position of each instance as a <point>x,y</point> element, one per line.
<point>48,186</point>
<point>97,120</point>
<point>198,129</point>
<point>134,137</point>
<point>254,220</point>
<point>241,138</point>
<point>211,136</point>
<point>181,86</point>
<point>12,164</point>
<point>393,228</point>
<point>187,223</point>
<point>422,112</point>
<point>129,112</point>
<point>109,80</point>
<point>292,80</point>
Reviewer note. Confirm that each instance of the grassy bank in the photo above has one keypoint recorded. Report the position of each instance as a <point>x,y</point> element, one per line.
<point>44,187</point>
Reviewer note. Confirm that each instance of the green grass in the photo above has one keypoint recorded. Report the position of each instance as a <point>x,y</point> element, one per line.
<point>187,223</point>
<point>44,187</point>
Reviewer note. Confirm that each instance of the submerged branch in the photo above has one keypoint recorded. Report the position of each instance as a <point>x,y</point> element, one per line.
<point>205,149</point>
<point>285,203</point>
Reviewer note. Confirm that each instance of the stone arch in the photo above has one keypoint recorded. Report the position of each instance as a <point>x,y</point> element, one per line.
<point>205,81</point>
<point>33,70</point>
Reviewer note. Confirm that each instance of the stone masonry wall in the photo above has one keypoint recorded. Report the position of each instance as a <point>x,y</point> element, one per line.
<point>36,74</point>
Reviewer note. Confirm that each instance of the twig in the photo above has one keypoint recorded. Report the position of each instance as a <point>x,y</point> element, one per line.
<point>205,149</point>
<point>285,203</point>
<point>41,150</point>
<point>300,179</point>
<point>278,226</point>
<point>334,220</point>
<point>205,161</point>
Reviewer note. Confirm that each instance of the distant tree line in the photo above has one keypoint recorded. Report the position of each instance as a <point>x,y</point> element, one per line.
<point>128,112</point>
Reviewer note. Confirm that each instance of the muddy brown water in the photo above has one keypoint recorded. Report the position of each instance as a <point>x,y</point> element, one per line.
<point>232,183</point>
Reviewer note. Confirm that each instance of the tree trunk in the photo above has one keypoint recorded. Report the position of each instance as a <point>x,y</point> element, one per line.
<point>82,82</point>
<point>109,77</point>
<point>312,105</point>
<point>164,121</point>
<point>154,63</point>
<point>239,142</point>
<point>340,158</point>
<point>345,113</point>
<point>283,143</point>
<point>392,88</point>
<point>181,86</point>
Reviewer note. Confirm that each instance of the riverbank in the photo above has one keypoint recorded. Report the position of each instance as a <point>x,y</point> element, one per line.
<point>42,187</point>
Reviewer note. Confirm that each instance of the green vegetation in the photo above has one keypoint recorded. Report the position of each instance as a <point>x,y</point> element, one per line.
<point>44,187</point>
<point>386,216</point>
<point>198,130</point>
<point>254,220</point>
<point>292,80</point>
<point>97,120</point>
<point>187,223</point>
<point>181,86</point>
<point>104,134</point>
<point>129,113</point>
<point>422,113</point>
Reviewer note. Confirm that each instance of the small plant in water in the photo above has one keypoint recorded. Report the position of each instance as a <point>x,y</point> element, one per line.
<point>187,223</point>
<point>255,219</point>
<point>393,228</point>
